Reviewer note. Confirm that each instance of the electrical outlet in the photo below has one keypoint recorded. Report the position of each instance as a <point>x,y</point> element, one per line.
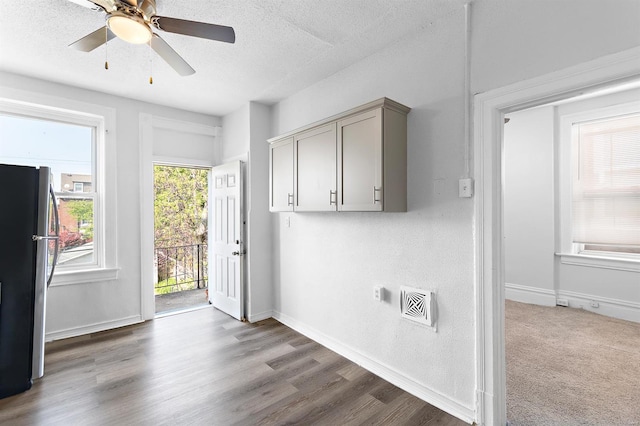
<point>562,302</point>
<point>595,304</point>
<point>378,293</point>
<point>465,188</point>
<point>288,221</point>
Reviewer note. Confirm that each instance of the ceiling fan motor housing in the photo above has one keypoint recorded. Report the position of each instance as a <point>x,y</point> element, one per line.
<point>147,8</point>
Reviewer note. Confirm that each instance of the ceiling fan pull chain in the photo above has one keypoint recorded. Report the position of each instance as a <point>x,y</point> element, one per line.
<point>106,44</point>
<point>150,64</point>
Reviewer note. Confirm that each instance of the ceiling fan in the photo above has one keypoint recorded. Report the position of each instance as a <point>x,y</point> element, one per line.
<point>133,20</point>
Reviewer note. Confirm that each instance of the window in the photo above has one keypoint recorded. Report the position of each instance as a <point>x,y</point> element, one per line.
<point>606,184</point>
<point>74,145</point>
<point>599,181</point>
<point>69,150</point>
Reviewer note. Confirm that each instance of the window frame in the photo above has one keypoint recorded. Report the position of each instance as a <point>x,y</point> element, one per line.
<point>102,121</point>
<point>575,253</point>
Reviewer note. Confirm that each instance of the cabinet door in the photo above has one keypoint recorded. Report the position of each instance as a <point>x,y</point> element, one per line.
<point>315,169</point>
<point>281,176</point>
<point>360,162</point>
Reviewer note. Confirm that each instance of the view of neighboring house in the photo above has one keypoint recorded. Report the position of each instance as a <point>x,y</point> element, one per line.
<point>75,183</point>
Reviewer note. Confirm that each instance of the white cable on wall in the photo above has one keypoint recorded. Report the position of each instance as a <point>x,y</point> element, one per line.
<point>467,89</point>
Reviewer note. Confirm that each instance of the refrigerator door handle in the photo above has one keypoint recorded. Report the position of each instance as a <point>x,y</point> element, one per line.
<point>40,237</point>
<point>56,236</point>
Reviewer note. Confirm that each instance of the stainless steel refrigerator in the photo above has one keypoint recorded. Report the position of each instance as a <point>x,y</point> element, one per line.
<point>28,253</point>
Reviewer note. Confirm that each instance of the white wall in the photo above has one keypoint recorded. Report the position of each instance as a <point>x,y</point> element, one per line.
<point>259,280</point>
<point>85,307</point>
<point>183,145</point>
<point>244,136</point>
<point>328,263</point>
<point>325,265</point>
<point>236,134</point>
<point>529,219</point>
<point>533,219</point>
<point>518,40</point>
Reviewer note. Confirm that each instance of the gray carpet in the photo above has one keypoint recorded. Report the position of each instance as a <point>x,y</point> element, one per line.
<point>568,367</point>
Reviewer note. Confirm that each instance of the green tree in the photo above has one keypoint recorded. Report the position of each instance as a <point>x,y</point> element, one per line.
<point>180,219</point>
<point>180,207</point>
<point>82,211</point>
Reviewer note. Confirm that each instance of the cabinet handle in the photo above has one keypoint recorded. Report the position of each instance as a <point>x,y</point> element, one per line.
<point>289,199</point>
<point>332,200</point>
<point>376,191</point>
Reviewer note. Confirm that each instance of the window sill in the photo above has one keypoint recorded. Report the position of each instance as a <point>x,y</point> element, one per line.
<point>604,262</point>
<point>84,276</point>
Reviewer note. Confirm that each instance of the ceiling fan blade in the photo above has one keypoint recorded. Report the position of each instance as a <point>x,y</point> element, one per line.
<point>133,3</point>
<point>86,3</point>
<point>195,29</point>
<point>93,40</point>
<point>102,5</point>
<point>167,53</point>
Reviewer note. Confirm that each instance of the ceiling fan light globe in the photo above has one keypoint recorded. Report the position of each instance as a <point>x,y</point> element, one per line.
<point>129,28</point>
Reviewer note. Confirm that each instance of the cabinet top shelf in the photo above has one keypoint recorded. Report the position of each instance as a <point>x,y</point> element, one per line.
<point>378,103</point>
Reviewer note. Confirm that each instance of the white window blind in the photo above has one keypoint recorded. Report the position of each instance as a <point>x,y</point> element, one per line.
<point>606,182</point>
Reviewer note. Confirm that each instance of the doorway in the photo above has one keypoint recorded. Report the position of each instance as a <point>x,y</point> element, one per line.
<point>181,195</point>
<point>489,112</point>
<point>551,152</point>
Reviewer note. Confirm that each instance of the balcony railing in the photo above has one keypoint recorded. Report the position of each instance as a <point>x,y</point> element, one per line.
<point>180,267</point>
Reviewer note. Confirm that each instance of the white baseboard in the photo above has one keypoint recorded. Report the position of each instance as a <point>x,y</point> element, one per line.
<point>614,308</point>
<point>528,294</point>
<point>260,316</point>
<point>92,328</point>
<point>388,373</point>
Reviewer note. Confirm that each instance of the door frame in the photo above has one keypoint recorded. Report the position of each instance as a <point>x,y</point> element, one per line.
<point>148,123</point>
<point>489,110</point>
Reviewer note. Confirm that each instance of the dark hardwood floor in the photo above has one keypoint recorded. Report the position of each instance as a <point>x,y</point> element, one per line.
<point>205,368</point>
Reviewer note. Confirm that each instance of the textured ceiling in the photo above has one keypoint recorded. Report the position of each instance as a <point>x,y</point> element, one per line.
<point>282,46</point>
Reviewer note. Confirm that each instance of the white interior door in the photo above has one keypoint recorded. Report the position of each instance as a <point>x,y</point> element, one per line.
<point>225,240</point>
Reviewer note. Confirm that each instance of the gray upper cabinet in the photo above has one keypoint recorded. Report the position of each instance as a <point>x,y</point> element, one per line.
<point>314,169</point>
<point>355,161</point>
<point>281,175</point>
<point>360,162</point>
